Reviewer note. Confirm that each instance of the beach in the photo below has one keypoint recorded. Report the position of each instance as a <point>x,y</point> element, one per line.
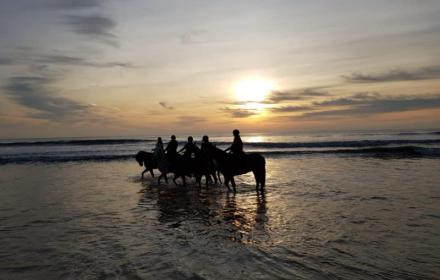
<point>334,207</point>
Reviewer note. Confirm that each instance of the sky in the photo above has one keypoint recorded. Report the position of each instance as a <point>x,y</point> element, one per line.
<point>138,67</point>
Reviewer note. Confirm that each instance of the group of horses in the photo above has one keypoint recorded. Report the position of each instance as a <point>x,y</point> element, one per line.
<point>215,163</point>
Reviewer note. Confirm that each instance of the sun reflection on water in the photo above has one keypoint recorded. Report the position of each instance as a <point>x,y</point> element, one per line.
<point>256,139</point>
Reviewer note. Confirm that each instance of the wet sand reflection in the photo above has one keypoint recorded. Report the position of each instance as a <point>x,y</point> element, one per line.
<point>238,217</point>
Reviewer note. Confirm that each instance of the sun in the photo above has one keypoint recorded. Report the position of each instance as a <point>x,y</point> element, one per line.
<point>252,90</point>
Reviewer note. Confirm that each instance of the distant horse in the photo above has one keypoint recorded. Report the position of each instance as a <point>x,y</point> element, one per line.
<point>231,165</point>
<point>146,159</point>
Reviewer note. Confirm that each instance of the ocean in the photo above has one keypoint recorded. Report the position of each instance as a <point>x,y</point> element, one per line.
<point>357,205</point>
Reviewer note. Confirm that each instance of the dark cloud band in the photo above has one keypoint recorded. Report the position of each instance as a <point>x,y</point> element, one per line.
<point>34,93</point>
<point>425,73</point>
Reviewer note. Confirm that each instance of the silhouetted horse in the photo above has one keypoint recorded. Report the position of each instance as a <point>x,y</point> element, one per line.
<point>178,167</point>
<point>203,166</point>
<point>183,166</point>
<point>146,159</point>
<point>231,165</point>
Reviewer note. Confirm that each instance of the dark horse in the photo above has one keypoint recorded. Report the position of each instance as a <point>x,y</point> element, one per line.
<point>182,166</point>
<point>200,166</point>
<point>231,165</point>
<point>146,159</point>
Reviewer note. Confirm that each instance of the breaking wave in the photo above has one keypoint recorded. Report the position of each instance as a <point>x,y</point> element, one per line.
<point>317,144</point>
<point>76,142</point>
<point>382,152</point>
<point>339,144</point>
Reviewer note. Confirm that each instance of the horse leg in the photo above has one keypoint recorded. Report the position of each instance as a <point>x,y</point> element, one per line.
<point>214,178</point>
<point>207,179</point>
<point>262,177</point>
<point>158,179</point>
<point>166,178</point>
<point>227,183</point>
<point>143,172</point>
<point>174,179</point>
<point>219,177</point>
<point>183,180</point>
<point>257,180</point>
<point>199,180</point>
<point>152,173</point>
<point>233,183</point>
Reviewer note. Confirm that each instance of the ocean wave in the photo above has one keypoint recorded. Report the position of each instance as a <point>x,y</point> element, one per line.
<point>420,133</point>
<point>386,152</point>
<point>403,151</point>
<point>317,144</point>
<point>58,159</point>
<point>76,142</point>
<point>337,144</point>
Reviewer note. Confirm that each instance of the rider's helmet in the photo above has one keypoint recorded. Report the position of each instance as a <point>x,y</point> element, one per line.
<point>236,132</point>
<point>205,138</point>
<point>173,137</point>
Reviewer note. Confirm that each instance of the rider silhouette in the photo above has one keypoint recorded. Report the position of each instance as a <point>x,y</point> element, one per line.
<point>189,148</point>
<point>206,145</point>
<point>237,145</point>
<point>236,149</point>
<point>158,150</point>
<point>171,149</point>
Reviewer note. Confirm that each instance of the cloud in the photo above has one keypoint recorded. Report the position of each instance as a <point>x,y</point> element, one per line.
<point>39,60</point>
<point>34,93</point>
<point>425,73</point>
<point>6,61</point>
<point>73,4</point>
<point>192,37</point>
<point>364,104</point>
<point>289,109</point>
<point>79,61</point>
<point>94,26</point>
<point>189,120</point>
<point>276,97</point>
<point>357,98</point>
<point>238,113</point>
<point>285,96</point>
<point>165,105</point>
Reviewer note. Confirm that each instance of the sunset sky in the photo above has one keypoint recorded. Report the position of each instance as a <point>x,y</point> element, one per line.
<point>135,67</point>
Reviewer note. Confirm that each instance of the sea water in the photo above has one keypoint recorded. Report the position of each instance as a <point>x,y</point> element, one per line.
<point>336,206</point>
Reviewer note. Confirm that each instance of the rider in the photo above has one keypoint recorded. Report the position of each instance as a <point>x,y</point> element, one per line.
<point>158,150</point>
<point>171,149</point>
<point>237,145</point>
<point>206,145</point>
<point>189,148</point>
